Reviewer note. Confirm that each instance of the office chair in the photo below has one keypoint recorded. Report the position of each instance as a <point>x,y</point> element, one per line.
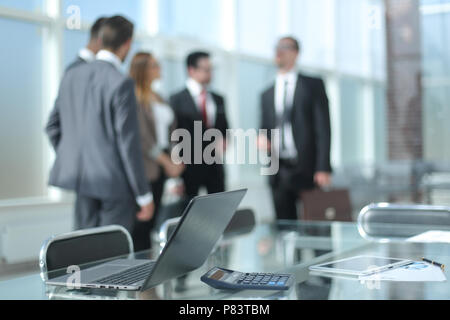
<point>243,222</point>
<point>166,230</point>
<point>81,247</point>
<point>385,222</point>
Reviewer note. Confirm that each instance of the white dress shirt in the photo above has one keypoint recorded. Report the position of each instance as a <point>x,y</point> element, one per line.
<point>164,118</point>
<point>195,89</point>
<point>110,57</point>
<point>289,79</point>
<point>86,54</point>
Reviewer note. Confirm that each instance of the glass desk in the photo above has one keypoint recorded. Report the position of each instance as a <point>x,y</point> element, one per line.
<point>283,247</point>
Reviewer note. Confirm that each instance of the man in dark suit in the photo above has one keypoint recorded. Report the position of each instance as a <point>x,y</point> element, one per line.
<point>297,106</point>
<point>87,54</point>
<point>196,103</point>
<point>94,131</point>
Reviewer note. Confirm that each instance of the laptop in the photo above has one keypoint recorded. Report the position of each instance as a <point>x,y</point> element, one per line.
<point>201,226</point>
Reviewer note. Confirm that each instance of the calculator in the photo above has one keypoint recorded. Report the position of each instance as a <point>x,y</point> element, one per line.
<point>225,279</point>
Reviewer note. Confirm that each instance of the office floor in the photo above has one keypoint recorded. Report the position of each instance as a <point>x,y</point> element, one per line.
<point>10,271</point>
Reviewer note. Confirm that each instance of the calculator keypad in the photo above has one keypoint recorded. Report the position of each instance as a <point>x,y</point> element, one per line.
<point>263,279</point>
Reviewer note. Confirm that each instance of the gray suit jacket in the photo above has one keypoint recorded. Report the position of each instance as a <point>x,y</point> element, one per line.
<point>94,130</point>
<point>78,61</point>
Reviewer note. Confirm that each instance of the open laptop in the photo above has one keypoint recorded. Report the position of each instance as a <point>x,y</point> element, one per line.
<point>201,226</point>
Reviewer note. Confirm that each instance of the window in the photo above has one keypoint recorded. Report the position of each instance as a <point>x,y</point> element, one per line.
<point>194,19</point>
<point>352,110</point>
<point>31,5</point>
<point>313,23</point>
<point>360,38</point>
<point>342,40</point>
<point>21,124</point>
<point>173,75</point>
<point>74,40</point>
<point>254,77</point>
<point>436,79</point>
<point>91,10</point>
<point>257,22</point>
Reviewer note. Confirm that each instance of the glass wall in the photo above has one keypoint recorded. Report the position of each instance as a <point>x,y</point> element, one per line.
<point>74,40</point>
<point>257,29</point>
<point>313,23</point>
<point>436,78</point>
<point>199,20</point>
<point>30,5</point>
<point>21,149</point>
<point>254,77</point>
<point>343,41</point>
<point>91,10</point>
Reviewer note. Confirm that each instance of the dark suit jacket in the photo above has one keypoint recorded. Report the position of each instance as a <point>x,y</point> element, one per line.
<point>94,131</point>
<point>186,112</point>
<point>310,123</point>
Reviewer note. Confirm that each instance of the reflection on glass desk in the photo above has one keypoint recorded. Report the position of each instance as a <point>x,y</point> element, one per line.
<point>285,247</point>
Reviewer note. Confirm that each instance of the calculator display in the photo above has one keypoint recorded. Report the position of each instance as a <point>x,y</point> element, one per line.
<point>219,274</point>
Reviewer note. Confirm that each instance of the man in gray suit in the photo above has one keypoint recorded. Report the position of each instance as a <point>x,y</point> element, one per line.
<point>87,54</point>
<point>94,130</point>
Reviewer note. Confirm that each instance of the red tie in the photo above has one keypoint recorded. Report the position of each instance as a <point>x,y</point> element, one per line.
<point>203,108</point>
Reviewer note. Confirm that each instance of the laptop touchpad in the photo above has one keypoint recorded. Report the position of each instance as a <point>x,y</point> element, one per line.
<point>99,272</point>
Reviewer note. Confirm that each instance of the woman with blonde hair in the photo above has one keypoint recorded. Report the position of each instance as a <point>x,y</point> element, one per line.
<point>156,122</point>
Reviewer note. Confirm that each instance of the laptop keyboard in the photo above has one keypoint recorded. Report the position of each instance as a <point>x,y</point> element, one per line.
<point>129,276</point>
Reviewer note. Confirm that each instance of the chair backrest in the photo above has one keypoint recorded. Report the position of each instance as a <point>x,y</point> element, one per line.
<point>384,221</point>
<point>242,222</point>
<point>166,230</point>
<point>83,247</point>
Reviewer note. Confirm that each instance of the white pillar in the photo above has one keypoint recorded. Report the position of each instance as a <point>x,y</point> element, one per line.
<point>228,24</point>
<point>52,69</point>
<point>150,16</point>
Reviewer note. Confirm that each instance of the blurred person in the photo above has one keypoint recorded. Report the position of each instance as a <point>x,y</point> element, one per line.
<point>297,105</point>
<point>198,103</point>
<point>87,54</point>
<point>156,121</point>
<point>95,133</point>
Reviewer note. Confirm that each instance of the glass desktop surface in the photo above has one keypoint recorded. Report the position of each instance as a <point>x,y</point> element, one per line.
<point>285,247</point>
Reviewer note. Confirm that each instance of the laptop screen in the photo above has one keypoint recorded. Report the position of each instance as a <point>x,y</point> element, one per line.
<point>199,229</point>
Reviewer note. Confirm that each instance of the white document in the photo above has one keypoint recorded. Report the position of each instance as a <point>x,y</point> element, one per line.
<point>431,236</point>
<point>415,272</point>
